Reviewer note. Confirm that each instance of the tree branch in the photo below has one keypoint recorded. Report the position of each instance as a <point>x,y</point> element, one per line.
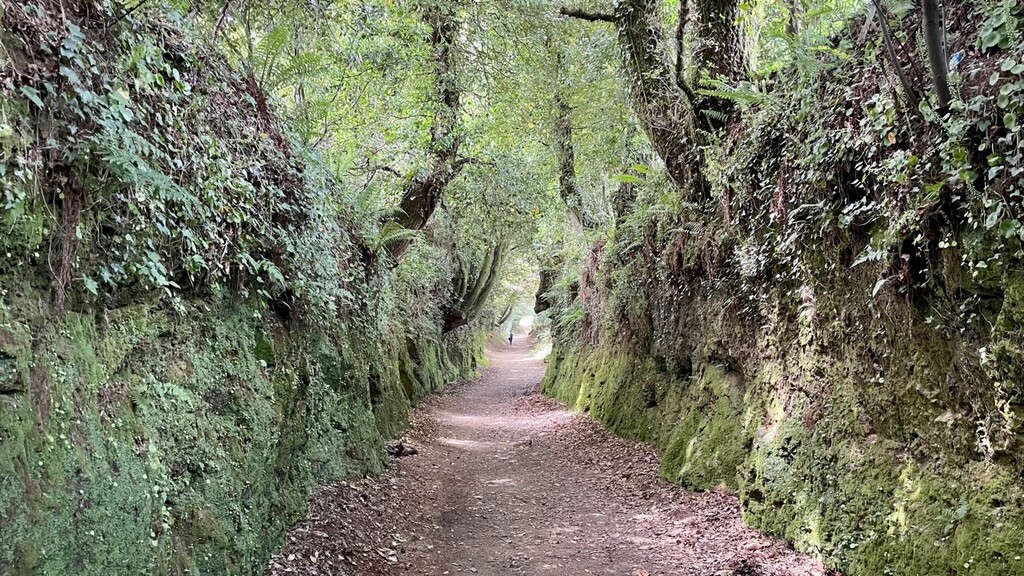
<point>684,15</point>
<point>466,161</point>
<point>890,49</point>
<point>588,16</point>
<point>136,7</point>
<point>389,170</point>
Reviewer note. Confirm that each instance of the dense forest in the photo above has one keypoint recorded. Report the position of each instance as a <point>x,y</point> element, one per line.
<point>778,240</point>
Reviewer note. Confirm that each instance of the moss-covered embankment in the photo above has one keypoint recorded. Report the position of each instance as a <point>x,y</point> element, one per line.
<point>196,327</point>
<point>840,337</point>
<point>863,450</point>
<point>147,441</point>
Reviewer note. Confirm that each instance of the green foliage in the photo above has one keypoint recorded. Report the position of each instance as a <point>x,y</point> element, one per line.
<point>822,332</point>
<point>139,171</point>
<point>1001,26</point>
<point>162,187</point>
<point>775,49</point>
<point>226,335</point>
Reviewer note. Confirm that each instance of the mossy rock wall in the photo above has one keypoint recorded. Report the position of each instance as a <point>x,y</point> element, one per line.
<point>148,441</point>
<point>836,329</point>
<point>695,419</point>
<point>861,438</point>
<point>195,327</point>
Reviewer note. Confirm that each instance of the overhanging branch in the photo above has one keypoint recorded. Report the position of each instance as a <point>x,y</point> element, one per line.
<point>588,16</point>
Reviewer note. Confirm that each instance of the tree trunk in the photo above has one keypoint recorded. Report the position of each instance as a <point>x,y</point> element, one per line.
<point>684,17</point>
<point>482,278</point>
<point>934,40</point>
<point>661,105</point>
<point>504,316</point>
<point>721,48</point>
<point>793,25</point>
<point>565,152</point>
<point>471,301</point>
<point>424,191</point>
<point>566,155</point>
<point>541,302</point>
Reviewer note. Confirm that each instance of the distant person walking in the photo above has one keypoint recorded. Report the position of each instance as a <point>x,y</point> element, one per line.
<point>510,337</point>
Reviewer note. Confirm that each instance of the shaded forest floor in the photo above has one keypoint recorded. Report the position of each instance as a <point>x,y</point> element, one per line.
<point>508,482</point>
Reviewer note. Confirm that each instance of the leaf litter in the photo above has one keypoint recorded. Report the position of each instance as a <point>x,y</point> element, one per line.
<point>504,481</point>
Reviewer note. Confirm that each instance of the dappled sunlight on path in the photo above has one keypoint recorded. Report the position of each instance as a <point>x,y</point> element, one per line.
<point>508,482</point>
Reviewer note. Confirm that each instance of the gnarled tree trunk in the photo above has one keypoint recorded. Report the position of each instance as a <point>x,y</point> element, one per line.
<point>424,190</point>
<point>470,298</point>
<point>661,99</point>
<point>661,105</point>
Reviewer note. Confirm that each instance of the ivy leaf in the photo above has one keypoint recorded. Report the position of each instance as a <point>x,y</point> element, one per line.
<point>878,286</point>
<point>91,286</point>
<point>991,39</point>
<point>1009,228</point>
<point>71,75</point>
<point>993,218</point>
<point>33,95</point>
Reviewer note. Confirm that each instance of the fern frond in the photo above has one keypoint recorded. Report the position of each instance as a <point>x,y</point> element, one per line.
<point>296,70</point>
<point>269,52</point>
<point>746,93</point>
<point>716,115</point>
<point>393,232</point>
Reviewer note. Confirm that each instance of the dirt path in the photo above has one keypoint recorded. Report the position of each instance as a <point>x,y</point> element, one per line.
<point>507,482</point>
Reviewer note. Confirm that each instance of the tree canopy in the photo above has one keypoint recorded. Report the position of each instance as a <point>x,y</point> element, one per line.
<point>510,126</point>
